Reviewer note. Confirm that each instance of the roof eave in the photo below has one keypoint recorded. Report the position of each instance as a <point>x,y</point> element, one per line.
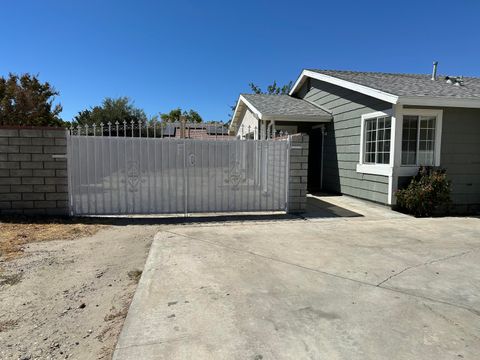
<point>439,101</point>
<point>382,95</point>
<point>297,118</point>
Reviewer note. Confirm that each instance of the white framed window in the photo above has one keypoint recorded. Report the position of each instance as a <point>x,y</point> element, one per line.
<point>377,140</point>
<point>421,136</point>
<point>375,143</point>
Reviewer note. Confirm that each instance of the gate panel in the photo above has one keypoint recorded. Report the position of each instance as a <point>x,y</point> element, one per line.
<point>110,175</point>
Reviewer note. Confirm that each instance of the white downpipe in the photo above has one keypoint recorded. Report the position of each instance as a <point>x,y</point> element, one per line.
<point>321,157</point>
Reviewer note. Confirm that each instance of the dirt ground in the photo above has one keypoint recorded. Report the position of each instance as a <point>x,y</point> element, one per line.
<point>67,298</point>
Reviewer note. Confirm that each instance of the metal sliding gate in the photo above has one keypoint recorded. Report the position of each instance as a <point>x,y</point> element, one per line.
<point>111,175</point>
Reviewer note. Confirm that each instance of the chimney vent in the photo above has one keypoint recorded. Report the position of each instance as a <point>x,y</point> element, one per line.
<point>434,71</point>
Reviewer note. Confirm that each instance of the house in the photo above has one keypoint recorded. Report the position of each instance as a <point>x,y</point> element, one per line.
<point>188,130</point>
<point>370,132</point>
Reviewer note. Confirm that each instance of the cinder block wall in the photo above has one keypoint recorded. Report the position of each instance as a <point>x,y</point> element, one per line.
<point>32,181</point>
<point>297,185</point>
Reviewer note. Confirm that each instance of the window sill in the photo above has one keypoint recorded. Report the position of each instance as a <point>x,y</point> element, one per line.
<point>375,169</point>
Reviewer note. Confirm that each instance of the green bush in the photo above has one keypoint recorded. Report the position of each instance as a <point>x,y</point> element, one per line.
<point>427,194</point>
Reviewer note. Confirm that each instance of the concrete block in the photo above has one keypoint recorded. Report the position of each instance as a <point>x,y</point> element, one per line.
<point>21,172</point>
<point>44,188</point>
<point>3,157</point>
<point>44,172</point>
<point>9,181</point>
<point>4,141</point>
<point>19,157</point>
<point>61,173</point>
<point>9,149</point>
<point>10,196</point>
<point>31,149</point>
<point>43,141</point>
<point>297,186</point>
<point>304,179</point>
<point>22,204</point>
<point>302,159</point>
<point>4,189</point>
<point>295,166</point>
<point>4,172</point>
<point>56,133</point>
<point>59,141</point>
<point>5,205</point>
<point>56,196</point>
<point>56,180</point>
<point>44,204</point>
<point>21,188</point>
<point>304,166</point>
<point>33,181</point>
<point>9,165</point>
<point>62,204</point>
<point>62,188</point>
<point>34,212</point>
<point>298,173</point>
<point>30,133</point>
<point>8,132</point>
<point>296,152</point>
<point>55,164</point>
<point>54,149</point>
<point>31,165</point>
<point>41,157</point>
<point>19,141</point>
<point>33,196</point>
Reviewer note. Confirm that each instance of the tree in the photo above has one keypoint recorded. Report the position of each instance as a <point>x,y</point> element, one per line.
<point>272,89</point>
<point>174,116</point>
<point>24,100</point>
<point>111,110</point>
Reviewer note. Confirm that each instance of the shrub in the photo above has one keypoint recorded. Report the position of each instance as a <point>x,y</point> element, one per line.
<point>427,194</point>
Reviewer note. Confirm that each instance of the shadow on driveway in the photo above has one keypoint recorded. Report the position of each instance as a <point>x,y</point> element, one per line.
<point>316,209</point>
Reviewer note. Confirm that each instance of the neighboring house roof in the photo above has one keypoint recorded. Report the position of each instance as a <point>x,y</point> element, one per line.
<point>195,130</point>
<point>408,89</point>
<point>278,107</point>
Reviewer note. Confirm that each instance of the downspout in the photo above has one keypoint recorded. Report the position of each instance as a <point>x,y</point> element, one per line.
<point>321,156</point>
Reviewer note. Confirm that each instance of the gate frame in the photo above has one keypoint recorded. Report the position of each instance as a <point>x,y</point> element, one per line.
<point>92,131</point>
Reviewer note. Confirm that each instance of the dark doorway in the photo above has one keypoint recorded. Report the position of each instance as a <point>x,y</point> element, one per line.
<point>315,161</point>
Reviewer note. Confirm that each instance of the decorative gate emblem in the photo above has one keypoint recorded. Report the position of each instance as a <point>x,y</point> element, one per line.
<point>236,175</point>
<point>133,176</point>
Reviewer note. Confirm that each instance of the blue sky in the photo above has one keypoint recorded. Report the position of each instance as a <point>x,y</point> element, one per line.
<point>202,54</point>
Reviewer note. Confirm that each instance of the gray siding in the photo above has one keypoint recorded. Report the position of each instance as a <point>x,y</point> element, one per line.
<point>460,155</point>
<point>342,143</point>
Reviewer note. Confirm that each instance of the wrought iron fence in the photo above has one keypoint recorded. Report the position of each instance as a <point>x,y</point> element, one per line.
<point>182,130</point>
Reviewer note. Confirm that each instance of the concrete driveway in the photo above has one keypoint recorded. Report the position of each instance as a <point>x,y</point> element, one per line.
<point>375,286</point>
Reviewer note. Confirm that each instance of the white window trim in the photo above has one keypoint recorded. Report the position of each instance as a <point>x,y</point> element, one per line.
<point>374,169</point>
<point>408,169</point>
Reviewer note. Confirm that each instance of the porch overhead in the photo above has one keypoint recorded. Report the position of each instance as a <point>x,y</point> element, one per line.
<point>279,108</point>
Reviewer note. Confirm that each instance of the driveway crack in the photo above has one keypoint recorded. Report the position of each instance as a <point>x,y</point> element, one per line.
<point>360,282</point>
<point>425,264</point>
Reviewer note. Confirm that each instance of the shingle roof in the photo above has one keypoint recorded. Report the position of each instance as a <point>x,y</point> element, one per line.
<point>410,84</point>
<point>284,105</point>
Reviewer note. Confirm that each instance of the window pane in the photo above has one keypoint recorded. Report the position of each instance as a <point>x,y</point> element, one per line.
<point>426,140</point>
<point>377,140</point>
<point>409,140</point>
